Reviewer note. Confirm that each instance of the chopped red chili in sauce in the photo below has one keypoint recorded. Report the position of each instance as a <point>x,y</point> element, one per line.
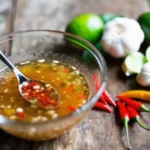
<point>35,92</point>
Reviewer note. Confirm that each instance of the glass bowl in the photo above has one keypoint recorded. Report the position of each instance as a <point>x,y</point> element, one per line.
<point>67,48</point>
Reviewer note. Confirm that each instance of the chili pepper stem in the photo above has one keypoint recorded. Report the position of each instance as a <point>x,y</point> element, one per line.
<point>144,109</point>
<point>125,121</point>
<point>137,118</point>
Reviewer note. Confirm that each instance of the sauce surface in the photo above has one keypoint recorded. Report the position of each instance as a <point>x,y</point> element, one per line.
<point>68,81</point>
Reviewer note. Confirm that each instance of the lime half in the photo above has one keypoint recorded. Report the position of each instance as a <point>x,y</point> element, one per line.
<point>147,53</point>
<point>133,63</point>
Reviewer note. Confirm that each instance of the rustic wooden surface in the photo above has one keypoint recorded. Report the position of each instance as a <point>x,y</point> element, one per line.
<point>99,130</point>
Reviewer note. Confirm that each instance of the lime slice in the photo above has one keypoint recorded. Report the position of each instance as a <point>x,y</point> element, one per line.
<point>147,53</point>
<point>133,63</point>
<point>87,26</point>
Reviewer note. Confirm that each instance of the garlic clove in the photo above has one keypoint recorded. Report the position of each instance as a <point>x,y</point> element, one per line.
<point>143,78</point>
<point>112,45</point>
<point>146,68</point>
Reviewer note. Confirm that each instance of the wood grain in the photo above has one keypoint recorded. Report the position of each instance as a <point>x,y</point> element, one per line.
<point>52,14</point>
<point>10,24</point>
<point>7,12</point>
<point>99,130</point>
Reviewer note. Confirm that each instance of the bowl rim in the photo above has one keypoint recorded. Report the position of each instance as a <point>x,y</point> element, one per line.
<point>100,61</point>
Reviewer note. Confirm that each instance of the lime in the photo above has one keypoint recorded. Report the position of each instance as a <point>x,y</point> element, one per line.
<point>86,56</point>
<point>98,45</point>
<point>133,63</point>
<point>147,53</point>
<point>87,26</point>
<point>144,21</point>
<point>108,17</point>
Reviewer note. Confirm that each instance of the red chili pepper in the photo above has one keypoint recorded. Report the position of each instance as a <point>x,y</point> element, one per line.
<point>124,117</point>
<point>103,99</point>
<point>108,98</point>
<point>71,108</point>
<point>133,114</point>
<point>80,96</point>
<point>52,102</point>
<point>136,105</point>
<point>102,106</point>
<point>96,82</point>
<point>20,114</point>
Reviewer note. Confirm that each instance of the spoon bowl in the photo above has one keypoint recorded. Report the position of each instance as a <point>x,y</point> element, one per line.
<point>50,98</point>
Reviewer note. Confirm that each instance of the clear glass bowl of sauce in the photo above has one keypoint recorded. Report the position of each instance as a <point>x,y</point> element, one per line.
<point>56,58</point>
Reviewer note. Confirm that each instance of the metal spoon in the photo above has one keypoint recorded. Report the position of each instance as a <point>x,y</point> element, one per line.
<point>22,80</point>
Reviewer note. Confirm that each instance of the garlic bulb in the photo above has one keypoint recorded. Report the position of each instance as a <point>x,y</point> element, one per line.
<point>143,78</point>
<point>122,36</point>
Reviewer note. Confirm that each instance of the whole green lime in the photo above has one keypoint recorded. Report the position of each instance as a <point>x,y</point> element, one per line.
<point>87,26</point>
<point>144,21</point>
<point>108,17</point>
<point>86,56</point>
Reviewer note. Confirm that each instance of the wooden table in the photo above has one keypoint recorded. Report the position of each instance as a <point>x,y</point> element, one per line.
<point>99,130</point>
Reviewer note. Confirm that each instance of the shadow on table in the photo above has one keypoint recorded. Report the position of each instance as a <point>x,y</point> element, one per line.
<point>9,142</point>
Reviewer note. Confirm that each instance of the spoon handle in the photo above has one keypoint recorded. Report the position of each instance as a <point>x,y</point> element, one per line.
<point>19,75</point>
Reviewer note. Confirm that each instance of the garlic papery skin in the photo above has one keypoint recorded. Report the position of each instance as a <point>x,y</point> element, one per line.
<point>143,78</point>
<point>121,37</point>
